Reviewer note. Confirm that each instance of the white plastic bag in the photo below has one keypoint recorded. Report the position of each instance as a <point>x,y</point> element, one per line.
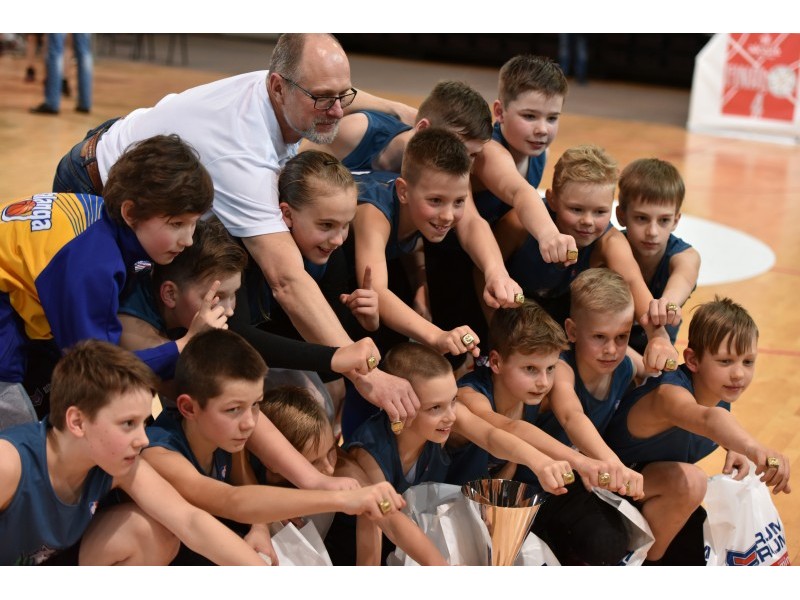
<point>640,536</point>
<point>298,547</point>
<point>743,527</point>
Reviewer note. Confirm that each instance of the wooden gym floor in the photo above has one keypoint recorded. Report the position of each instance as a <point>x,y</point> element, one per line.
<point>753,187</point>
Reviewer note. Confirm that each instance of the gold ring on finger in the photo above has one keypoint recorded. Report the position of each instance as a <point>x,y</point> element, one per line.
<point>519,298</point>
<point>604,478</point>
<point>385,506</point>
<point>572,255</point>
<point>672,307</point>
<point>773,462</point>
<point>372,362</point>
<point>467,339</point>
<point>397,427</point>
<point>671,364</point>
<point>569,477</point>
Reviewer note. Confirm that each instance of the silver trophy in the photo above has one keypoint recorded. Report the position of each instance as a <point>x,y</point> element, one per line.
<point>507,508</point>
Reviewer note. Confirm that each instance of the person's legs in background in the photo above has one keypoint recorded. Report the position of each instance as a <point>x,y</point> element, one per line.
<point>82,48</point>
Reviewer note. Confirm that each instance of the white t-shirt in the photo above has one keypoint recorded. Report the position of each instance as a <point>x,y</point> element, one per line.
<point>232,125</point>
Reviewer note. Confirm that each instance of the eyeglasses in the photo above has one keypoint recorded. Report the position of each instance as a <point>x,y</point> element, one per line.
<point>325,102</point>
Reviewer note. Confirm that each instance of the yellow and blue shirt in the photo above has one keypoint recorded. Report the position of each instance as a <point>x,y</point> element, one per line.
<point>64,263</point>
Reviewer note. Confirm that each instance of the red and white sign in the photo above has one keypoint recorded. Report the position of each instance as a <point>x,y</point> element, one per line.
<point>748,85</point>
<point>761,75</point>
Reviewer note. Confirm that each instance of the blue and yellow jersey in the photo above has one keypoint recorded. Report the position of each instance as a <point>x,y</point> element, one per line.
<point>63,267</point>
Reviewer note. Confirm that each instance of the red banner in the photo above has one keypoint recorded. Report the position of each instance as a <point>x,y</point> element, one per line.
<point>761,75</point>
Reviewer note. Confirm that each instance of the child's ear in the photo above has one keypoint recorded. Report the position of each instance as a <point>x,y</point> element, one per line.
<point>74,420</point>
<point>494,361</point>
<point>286,212</point>
<point>550,197</point>
<point>621,216</point>
<point>691,360</point>
<point>422,124</point>
<point>569,327</point>
<point>126,211</point>
<point>675,223</point>
<point>497,111</point>
<point>401,186</point>
<point>187,406</point>
<point>168,293</point>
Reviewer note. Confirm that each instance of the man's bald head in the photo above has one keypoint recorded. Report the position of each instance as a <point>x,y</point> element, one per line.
<point>288,56</point>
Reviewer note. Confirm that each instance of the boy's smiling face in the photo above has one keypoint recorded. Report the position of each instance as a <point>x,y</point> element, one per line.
<point>437,411</point>
<point>530,121</point>
<point>435,201</point>
<point>583,210</point>
<point>725,374</point>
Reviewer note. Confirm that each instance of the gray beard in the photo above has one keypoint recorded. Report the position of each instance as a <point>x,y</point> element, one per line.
<point>312,135</point>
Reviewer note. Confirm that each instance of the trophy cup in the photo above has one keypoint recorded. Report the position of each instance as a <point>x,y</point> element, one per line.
<point>507,508</point>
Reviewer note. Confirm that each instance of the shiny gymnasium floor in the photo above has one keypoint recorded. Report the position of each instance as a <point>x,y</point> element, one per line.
<point>742,208</point>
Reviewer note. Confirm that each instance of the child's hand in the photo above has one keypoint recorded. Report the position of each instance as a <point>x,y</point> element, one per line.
<point>558,247</point>
<point>375,501</point>
<point>663,311</point>
<point>363,303</point>
<point>659,355</point>
<point>458,341</point>
<point>552,474</point>
<point>737,461</point>
<point>211,314</point>
<point>501,291</point>
<point>259,539</point>
<point>773,468</point>
<point>356,357</point>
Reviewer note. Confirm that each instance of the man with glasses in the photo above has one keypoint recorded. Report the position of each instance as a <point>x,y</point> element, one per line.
<point>245,129</point>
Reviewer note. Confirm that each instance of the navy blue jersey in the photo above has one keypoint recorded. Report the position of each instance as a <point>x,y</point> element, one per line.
<point>167,432</point>
<point>376,437</point>
<point>381,129</point>
<point>37,523</point>
<point>674,444</point>
<point>656,285</point>
<point>599,410</point>
<point>490,206</point>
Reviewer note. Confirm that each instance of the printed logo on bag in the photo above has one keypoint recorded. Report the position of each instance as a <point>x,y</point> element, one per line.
<point>36,209</point>
<point>761,74</point>
<point>769,548</point>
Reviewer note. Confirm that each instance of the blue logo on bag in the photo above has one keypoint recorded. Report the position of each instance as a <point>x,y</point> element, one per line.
<point>768,544</point>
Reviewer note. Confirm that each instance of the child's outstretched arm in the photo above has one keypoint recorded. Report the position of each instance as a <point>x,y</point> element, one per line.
<point>193,526</point>
<point>581,431</point>
<point>495,169</point>
<point>478,241</point>
<point>614,252</point>
<point>398,527</point>
<point>372,230</point>
<point>506,446</point>
<point>588,468</point>
<point>279,456</point>
<point>684,268</point>
<point>676,406</point>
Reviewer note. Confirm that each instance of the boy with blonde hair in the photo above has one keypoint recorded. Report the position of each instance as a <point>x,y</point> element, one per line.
<point>580,204</point>
<point>669,423</point>
<point>93,436</point>
<point>651,193</point>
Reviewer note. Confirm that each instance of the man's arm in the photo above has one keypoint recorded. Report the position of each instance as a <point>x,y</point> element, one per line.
<point>295,290</point>
<point>495,169</point>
